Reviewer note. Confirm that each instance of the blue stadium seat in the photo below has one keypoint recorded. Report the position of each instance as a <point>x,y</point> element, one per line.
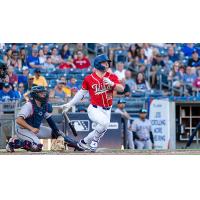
<point>50,76</point>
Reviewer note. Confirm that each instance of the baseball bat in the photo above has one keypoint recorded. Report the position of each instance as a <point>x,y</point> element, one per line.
<point>70,124</point>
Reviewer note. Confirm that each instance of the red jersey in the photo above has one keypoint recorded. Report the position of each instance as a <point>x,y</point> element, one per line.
<point>83,63</point>
<point>100,94</point>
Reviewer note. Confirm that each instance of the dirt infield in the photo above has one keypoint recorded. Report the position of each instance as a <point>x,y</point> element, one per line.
<point>109,152</point>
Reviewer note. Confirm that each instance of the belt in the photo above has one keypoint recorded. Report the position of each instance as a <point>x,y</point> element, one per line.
<point>105,108</point>
<point>143,139</point>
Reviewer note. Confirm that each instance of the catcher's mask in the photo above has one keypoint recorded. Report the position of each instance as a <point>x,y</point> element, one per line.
<point>3,69</point>
<point>39,93</point>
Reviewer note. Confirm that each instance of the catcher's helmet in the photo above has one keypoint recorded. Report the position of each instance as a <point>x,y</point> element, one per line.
<point>3,69</point>
<point>99,59</point>
<point>37,89</point>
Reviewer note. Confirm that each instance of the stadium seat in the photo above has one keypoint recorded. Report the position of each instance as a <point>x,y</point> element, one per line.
<point>50,76</point>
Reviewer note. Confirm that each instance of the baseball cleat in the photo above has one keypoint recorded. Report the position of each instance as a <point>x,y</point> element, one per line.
<point>83,145</point>
<point>79,148</point>
<point>9,147</point>
<point>93,146</point>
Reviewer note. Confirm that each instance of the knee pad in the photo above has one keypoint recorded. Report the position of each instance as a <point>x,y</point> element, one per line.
<point>27,145</point>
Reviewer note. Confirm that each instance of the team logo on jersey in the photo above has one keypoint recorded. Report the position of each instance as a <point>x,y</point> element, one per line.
<point>100,89</point>
<point>40,113</point>
<point>81,125</point>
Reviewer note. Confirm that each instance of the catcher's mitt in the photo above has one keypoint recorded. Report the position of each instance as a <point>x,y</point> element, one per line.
<point>58,144</point>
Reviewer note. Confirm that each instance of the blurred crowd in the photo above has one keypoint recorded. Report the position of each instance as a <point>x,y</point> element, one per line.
<point>166,68</point>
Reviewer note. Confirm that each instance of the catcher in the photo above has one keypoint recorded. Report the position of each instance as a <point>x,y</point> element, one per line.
<point>29,130</point>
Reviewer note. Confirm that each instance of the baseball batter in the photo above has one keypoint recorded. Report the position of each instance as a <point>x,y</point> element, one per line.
<point>100,86</point>
<point>142,131</point>
<point>29,130</point>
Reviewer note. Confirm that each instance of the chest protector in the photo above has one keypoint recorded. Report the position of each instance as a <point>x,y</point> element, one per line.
<point>38,115</point>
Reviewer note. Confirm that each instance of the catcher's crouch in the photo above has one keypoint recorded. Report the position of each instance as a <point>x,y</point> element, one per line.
<point>29,130</point>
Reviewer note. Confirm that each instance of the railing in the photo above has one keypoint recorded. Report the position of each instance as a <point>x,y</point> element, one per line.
<point>8,112</point>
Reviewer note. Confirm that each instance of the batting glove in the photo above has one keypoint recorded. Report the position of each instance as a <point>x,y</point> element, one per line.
<point>107,81</point>
<point>66,107</point>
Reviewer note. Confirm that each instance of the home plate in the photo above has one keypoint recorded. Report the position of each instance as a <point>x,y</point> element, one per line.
<point>103,150</point>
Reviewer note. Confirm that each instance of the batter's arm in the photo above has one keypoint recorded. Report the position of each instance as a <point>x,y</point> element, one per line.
<point>77,98</point>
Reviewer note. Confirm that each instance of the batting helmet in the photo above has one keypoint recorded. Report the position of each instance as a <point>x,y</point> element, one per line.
<point>99,59</point>
<point>37,89</point>
<point>3,69</point>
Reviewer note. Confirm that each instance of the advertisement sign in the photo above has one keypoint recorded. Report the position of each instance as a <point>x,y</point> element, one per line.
<point>160,120</point>
<point>83,125</point>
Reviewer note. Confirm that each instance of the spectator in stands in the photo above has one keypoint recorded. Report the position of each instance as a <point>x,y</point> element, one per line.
<point>80,47</point>
<point>65,52</point>
<point>67,65</point>
<point>7,56</point>
<point>129,80</point>
<point>33,60</point>
<point>142,68</point>
<point>46,50</point>
<point>14,47</point>
<point>141,84</point>
<point>120,71</point>
<point>148,51</point>
<point>48,64</point>
<point>30,82</point>
<point>182,71</point>
<point>126,92</point>
<point>81,61</point>
<point>15,60</point>
<point>66,89</point>
<point>66,55</point>
<point>41,56</point>
<point>125,116</point>
<point>13,78</point>
<point>188,78</point>
<point>38,79</point>
<point>196,83</point>
<point>24,77</point>
<point>7,94</point>
<point>141,58</point>
<point>175,76</point>
<point>73,85</point>
<point>55,58</point>
<point>188,49</point>
<point>58,92</point>
<point>194,62</point>
<point>157,64</point>
<point>22,56</point>
<point>171,54</point>
<point>133,52</point>
<point>21,90</point>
